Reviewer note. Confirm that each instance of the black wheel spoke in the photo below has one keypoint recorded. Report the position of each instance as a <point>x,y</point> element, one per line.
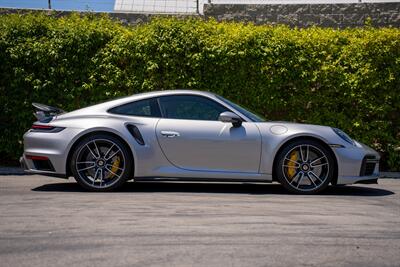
<point>86,168</point>
<point>91,151</point>
<point>300,180</point>
<point>311,180</point>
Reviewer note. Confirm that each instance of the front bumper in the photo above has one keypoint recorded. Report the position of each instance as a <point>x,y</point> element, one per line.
<point>359,164</point>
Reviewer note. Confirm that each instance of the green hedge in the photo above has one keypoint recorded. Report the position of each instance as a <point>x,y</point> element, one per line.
<point>348,78</point>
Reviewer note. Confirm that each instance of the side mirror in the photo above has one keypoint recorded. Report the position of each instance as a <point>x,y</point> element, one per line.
<point>231,117</point>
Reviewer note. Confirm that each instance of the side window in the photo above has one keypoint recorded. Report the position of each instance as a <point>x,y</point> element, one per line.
<point>143,108</point>
<point>190,107</point>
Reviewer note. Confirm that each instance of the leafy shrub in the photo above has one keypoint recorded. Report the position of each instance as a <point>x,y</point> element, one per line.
<point>343,78</point>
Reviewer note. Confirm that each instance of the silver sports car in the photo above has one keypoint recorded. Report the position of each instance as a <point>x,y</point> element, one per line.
<point>191,136</point>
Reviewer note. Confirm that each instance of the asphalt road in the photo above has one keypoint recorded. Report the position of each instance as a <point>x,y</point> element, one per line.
<point>52,222</point>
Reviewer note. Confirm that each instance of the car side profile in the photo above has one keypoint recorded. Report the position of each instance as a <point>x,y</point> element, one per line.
<point>191,136</point>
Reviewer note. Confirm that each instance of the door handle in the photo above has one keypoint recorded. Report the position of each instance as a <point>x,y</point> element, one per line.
<point>170,134</point>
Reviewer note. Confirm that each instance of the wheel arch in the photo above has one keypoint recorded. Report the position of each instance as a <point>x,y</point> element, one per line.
<point>91,133</point>
<point>306,137</point>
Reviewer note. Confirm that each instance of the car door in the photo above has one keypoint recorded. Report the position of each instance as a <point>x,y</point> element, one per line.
<point>192,138</point>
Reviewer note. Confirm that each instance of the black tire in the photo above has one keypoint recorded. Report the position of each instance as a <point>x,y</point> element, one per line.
<point>91,168</point>
<point>305,166</point>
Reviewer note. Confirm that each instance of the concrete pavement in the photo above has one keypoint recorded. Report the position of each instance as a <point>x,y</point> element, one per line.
<point>51,222</point>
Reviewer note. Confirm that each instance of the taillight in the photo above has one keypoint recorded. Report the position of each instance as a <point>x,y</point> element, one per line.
<point>46,128</point>
<point>43,127</point>
<point>32,157</point>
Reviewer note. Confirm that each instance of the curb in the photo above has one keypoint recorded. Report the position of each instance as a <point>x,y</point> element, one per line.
<point>12,171</point>
<point>20,171</point>
<point>395,175</point>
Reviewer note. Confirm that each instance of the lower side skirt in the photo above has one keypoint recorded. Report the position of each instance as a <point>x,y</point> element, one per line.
<point>180,179</point>
<point>371,181</point>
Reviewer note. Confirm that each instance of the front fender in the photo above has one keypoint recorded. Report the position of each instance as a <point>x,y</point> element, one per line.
<point>273,142</point>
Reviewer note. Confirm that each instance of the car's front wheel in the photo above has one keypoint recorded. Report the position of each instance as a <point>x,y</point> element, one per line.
<point>101,162</point>
<point>305,166</point>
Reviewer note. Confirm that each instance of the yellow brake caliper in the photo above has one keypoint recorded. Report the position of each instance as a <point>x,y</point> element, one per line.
<point>291,171</point>
<point>114,168</point>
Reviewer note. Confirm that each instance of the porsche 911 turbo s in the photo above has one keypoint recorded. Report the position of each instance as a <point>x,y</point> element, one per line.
<point>190,136</point>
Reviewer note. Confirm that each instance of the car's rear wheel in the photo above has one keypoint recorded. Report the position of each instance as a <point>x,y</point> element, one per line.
<point>305,167</point>
<point>101,162</point>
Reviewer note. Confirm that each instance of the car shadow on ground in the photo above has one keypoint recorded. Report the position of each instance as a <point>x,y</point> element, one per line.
<point>217,188</point>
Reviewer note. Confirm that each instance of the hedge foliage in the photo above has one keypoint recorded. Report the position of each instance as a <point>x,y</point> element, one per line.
<point>348,78</point>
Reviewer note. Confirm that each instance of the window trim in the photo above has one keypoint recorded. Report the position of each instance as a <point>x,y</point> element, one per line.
<point>159,107</point>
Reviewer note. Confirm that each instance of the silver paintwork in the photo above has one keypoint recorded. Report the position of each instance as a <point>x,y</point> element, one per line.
<point>192,148</point>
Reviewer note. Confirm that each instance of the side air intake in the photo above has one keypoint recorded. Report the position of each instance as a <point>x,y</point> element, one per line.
<point>134,131</point>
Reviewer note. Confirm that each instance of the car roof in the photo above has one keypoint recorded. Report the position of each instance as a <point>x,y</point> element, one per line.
<point>168,92</point>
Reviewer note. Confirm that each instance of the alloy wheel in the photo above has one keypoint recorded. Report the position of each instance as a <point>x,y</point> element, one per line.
<point>305,167</point>
<point>100,163</point>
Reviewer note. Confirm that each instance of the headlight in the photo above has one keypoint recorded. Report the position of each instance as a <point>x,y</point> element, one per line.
<point>344,136</point>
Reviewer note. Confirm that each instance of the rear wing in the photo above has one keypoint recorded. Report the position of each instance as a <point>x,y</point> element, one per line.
<point>46,113</point>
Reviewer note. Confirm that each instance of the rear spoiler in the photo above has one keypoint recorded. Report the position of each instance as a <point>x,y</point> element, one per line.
<point>46,113</point>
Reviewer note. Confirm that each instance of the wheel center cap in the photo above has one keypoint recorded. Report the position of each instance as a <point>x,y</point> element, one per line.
<point>305,167</point>
<point>100,162</point>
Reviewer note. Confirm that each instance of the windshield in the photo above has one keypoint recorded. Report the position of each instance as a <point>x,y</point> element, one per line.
<point>253,117</point>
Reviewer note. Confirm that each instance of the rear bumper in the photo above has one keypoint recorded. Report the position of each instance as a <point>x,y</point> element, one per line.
<point>53,146</point>
<point>29,167</point>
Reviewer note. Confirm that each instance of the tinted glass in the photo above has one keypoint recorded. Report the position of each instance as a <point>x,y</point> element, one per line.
<point>143,108</point>
<point>190,108</point>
